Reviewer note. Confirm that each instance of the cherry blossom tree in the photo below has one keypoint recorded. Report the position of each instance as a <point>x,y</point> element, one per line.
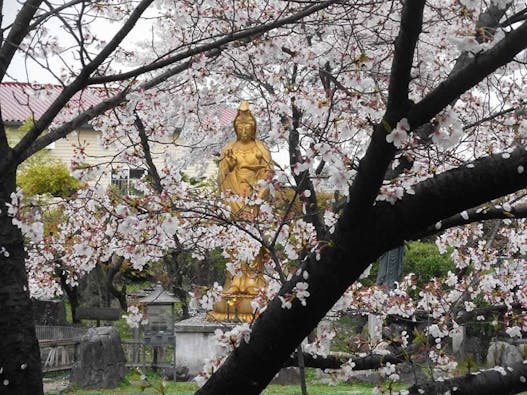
<point>387,143</point>
<point>86,57</point>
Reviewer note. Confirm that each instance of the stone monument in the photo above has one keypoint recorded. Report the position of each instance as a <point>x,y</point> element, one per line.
<point>101,360</point>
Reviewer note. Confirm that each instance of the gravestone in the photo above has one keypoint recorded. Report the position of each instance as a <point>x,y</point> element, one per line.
<point>100,360</point>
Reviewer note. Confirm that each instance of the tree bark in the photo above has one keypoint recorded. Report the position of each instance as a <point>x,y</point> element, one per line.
<point>20,368</point>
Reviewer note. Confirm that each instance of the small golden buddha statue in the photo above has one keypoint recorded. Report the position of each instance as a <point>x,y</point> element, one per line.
<point>243,163</point>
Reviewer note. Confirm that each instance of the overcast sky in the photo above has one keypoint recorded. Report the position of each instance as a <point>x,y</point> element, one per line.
<point>32,72</point>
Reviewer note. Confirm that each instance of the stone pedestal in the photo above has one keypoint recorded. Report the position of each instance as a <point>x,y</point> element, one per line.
<point>195,342</point>
<point>458,337</point>
<point>374,327</point>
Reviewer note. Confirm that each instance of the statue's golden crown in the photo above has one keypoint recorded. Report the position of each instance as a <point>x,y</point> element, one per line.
<point>244,113</point>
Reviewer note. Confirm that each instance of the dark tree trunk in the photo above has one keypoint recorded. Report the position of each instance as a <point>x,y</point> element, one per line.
<point>114,267</point>
<point>72,292</point>
<point>21,372</point>
<point>176,268</point>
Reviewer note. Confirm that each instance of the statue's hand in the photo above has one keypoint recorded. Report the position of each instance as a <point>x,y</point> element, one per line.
<point>230,158</point>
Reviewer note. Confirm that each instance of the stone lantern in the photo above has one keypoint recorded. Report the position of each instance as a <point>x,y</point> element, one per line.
<point>158,309</point>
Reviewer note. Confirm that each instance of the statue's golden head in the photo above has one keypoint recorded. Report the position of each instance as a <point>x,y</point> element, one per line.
<point>245,120</point>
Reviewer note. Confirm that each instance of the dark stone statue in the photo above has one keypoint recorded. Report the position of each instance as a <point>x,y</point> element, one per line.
<point>391,267</point>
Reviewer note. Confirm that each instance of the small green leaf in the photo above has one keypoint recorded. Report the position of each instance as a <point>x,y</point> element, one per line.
<point>387,127</point>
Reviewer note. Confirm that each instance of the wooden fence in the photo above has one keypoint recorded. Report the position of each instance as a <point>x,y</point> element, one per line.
<point>58,350</point>
<point>58,346</point>
<point>140,355</point>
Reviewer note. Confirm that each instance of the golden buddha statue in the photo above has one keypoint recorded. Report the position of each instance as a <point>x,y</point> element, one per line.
<point>243,163</point>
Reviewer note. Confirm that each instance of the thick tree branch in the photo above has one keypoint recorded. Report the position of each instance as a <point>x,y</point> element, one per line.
<point>486,382</point>
<point>67,127</point>
<point>411,24</point>
<point>18,32</point>
<point>518,17</point>
<point>450,193</point>
<point>4,145</point>
<point>372,168</point>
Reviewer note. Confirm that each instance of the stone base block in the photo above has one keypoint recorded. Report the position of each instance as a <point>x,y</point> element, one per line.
<point>195,342</point>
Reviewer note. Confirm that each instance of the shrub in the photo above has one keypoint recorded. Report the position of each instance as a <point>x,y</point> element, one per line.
<point>51,178</point>
<point>425,260</point>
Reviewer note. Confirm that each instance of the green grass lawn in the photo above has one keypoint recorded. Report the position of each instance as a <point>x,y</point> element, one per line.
<point>189,389</point>
<point>132,386</point>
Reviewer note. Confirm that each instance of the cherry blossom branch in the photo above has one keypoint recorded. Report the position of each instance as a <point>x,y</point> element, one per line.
<point>493,116</point>
<point>304,186</point>
<point>511,380</point>
<point>71,30</point>
<point>26,147</point>
<point>336,360</point>
<point>53,11</point>
<point>217,44</point>
<point>152,169</point>
<point>478,214</point>
<point>480,66</point>
<point>466,316</point>
<point>81,81</point>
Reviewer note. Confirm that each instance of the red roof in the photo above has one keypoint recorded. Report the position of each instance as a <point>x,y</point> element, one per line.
<point>20,101</point>
<point>227,115</point>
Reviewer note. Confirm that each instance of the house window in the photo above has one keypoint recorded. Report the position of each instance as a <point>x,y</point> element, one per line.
<point>125,181</point>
